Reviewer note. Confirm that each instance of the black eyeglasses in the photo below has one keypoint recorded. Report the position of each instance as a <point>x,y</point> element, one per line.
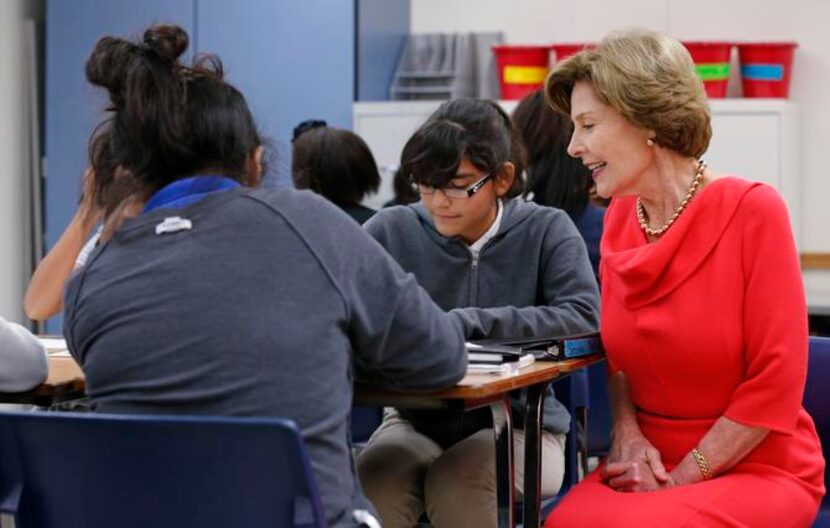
<point>452,192</point>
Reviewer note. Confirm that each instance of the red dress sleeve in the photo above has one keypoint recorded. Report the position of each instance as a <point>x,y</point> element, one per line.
<point>774,317</point>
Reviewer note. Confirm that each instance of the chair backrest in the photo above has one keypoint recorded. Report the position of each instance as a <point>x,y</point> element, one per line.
<point>364,421</point>
<point>817,393</point>
<point>72,470</point>
<point>599,417</point>
<point>572,392</point>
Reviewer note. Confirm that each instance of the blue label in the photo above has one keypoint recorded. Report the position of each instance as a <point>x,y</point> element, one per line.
<point>763,72</point>
<point>582,347</point>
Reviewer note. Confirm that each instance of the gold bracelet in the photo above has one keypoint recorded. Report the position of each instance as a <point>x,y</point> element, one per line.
<point>702,464</point>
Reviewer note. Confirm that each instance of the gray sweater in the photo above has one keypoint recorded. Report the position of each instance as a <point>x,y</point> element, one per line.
<point>268,306</point>
<point>533,278</point>
<point>22,358</point>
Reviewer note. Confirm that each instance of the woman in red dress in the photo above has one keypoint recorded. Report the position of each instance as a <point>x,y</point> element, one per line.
<point>704,319</point>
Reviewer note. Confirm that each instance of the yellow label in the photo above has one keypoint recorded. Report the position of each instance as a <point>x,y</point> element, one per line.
<point>525,74</point>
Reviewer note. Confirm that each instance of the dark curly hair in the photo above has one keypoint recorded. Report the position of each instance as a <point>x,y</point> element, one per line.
<point>335,163</point>
<point>477,129</point>
<point>166,120</point>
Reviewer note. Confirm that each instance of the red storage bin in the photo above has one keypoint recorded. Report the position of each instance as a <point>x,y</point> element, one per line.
<point>712,65</point>
<point>522,69</point>
<point>565,50</point>
<point>766,68</point>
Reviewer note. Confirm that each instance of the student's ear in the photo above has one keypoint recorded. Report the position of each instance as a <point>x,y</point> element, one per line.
<point>255,167</point>
<point>505,178</point>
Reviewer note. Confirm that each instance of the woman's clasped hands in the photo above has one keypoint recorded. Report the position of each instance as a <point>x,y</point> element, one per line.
<point>634,464</point>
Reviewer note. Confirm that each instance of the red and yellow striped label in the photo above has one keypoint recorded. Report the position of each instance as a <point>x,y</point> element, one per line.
<point>525,74</point>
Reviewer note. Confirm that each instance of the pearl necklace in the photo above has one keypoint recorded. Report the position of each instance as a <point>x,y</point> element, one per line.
<point>641,212</point>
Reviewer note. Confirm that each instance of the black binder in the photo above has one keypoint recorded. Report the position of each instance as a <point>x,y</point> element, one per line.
<point>554,348</point>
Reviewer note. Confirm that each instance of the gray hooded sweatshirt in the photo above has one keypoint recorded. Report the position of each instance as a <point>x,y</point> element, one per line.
<point>533,278</point>
<point>267,305</point>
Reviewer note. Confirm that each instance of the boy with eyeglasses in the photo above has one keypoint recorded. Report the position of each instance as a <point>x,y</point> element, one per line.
<point>504,268</point>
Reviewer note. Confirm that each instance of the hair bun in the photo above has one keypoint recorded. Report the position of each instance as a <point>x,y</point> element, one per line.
<point>107,64</point>
<point>167,41</point>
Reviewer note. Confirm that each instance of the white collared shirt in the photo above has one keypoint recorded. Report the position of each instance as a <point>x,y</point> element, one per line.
<point>476,246</point>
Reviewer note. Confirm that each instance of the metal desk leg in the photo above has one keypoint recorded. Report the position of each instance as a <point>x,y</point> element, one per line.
<point>503,432</point>
<point>533,455</point>
<point>582,453</point>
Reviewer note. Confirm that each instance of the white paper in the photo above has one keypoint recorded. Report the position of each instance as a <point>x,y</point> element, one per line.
<point>55,346</point>
<point>53,342</point>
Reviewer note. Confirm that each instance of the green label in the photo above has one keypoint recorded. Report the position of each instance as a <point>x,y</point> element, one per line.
<point>713,71</point>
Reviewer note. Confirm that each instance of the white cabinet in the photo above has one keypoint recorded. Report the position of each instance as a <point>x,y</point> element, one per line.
<point>386,126</point>
<point>758,139</point>
<point>752,138</point>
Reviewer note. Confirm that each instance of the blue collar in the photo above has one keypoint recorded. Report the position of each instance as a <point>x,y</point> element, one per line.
<point>188,191</point>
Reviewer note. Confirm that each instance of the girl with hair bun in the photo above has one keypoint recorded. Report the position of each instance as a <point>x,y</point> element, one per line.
<point>208,296</point>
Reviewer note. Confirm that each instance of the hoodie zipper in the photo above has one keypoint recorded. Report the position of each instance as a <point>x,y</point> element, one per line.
<point>474,262</point>
<point>474,279</point>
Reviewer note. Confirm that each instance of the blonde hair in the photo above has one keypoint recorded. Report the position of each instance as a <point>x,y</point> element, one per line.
<point>649,78</point>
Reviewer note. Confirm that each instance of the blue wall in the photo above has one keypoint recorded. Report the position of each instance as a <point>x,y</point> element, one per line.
<point>292,59</point>
<point>383,26</point>
<point>73,106</point>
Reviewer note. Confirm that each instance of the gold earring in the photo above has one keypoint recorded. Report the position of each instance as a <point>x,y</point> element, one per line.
<point>650,142</point>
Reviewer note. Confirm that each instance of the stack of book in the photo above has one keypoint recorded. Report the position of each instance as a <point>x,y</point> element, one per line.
<point>494,359</point>
<point>506,356</point>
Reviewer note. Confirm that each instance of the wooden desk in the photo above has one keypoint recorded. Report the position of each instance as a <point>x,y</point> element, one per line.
<point>479,390</point>
<point>65,383</point>
<point>472,392</point>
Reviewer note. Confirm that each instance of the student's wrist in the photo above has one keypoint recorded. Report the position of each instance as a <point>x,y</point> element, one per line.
<point>86,220</point>
<point>457,319</point>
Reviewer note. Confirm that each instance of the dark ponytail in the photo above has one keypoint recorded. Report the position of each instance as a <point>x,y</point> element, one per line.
<point>167,120</point>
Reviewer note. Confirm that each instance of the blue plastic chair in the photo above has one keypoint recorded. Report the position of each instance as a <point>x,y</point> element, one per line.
<point>572,391</point>
<point>599,419</point>
<point>817,403</point>
<point>364,420</point>
<point>72,470</point>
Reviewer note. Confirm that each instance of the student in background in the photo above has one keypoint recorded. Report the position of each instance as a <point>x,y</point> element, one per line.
<point>704,319</point>
<point>336,164</point>
<point>217,298</point>
<point>504,268</point>
<point>554,178</point>
<point>23,362</point>
<point>43,297</point>
<point>404,193</point>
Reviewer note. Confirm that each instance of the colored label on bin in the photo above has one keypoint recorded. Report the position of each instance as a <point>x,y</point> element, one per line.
<point>525,74</point>
<point>713,71</point>
<point>763,72</point>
